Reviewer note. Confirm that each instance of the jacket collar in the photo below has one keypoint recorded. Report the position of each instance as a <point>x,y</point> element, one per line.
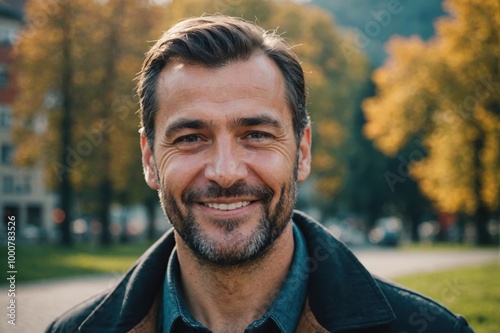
<point>134,295</point>
<point>342,294</point>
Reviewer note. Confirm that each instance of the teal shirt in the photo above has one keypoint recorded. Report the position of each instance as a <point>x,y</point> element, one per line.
<point>282,316</point>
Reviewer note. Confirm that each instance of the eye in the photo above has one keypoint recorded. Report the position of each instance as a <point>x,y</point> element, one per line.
<point>190,142</point>
<point>188,139</point>
<point>258,135</point>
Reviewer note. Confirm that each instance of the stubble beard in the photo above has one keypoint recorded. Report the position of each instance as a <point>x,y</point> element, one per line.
<point>271,225</point>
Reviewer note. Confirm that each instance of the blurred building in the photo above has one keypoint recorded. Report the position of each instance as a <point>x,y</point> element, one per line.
<point>22,189</point>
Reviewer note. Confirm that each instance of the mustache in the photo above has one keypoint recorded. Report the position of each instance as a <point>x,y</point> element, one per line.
<point>213,191</point>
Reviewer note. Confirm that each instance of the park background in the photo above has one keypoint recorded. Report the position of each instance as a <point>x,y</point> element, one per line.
<point>405,106</point>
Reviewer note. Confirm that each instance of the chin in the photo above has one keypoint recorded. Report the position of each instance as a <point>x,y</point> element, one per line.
<point>232,248</point>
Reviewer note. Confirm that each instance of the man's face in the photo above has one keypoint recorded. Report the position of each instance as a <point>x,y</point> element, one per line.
<point>225,160</point>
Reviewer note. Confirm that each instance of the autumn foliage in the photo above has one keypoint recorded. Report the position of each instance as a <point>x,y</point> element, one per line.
<point>446,92</point>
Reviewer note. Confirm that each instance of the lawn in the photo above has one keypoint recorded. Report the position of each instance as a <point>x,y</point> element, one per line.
<point>41,262</point>
<point>473,292</point>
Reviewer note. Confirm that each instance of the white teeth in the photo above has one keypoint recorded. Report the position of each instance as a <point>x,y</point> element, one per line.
<point>231,206</point>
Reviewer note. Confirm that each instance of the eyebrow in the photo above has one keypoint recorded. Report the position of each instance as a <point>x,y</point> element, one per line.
<point>185,123</point>
<point>256,121</point>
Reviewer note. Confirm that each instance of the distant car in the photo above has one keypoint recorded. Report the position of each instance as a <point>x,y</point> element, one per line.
<point>387,231</point>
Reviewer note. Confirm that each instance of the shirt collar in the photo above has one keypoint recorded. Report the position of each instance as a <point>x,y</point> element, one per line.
<point>174,307</point>
<point>285,310</point>
<point>287,306</point>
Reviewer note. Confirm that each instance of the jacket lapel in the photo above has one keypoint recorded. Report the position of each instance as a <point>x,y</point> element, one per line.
<point>134,296</point>
<point>342,293</point>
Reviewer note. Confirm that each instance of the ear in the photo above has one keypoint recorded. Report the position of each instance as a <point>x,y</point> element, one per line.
<point>148,164</point>
<point>304,167</point>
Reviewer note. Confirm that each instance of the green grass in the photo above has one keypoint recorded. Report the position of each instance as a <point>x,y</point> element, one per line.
<point>473,292</point>
<point>41,262</point>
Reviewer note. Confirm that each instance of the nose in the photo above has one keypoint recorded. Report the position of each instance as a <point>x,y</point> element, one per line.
<point>226,166</point>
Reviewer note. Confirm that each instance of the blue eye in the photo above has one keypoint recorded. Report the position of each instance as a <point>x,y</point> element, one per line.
<point>258,135</point>
<point>188,138</point>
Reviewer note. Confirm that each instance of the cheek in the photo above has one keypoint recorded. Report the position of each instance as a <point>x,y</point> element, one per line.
<point>274,169</point>
<point>178,172</point>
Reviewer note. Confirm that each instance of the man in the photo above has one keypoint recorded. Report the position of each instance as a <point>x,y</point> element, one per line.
<point>225,138</point>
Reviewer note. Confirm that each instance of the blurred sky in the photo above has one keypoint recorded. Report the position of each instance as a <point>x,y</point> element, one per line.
<point>407,18</point>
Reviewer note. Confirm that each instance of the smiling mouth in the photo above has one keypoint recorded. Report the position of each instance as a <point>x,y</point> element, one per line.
<point>231,206</point>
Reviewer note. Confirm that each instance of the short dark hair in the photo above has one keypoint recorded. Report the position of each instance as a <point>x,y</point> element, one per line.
<point>215,41</point>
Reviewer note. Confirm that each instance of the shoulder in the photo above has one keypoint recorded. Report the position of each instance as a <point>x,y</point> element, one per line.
<point>72,319</point>
<point>418,313</point>
<point>128,302</point>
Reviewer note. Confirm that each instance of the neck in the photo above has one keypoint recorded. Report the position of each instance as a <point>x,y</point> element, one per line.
<point>228,299</point>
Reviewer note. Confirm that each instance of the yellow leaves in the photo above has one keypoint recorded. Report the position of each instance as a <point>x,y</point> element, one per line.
<point>385,123</point>
<point>315,76</point>
<point>329,186</point>
<point>331,131</point>
<point>444,176</point>
<point>322,161</point>
<point>94,92</point>
<point>446,90</point>
<point>490,191</point>
<point>403,85</point>
<point>489,121</point>
<point>490,161</point>
<point>28,154</point>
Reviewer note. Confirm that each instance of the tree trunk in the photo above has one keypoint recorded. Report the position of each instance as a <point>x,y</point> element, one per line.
<point>482,213</point>
<point>482,218</point>
<point>109,83</point>
<point>461,222</point>
<point>373,214</point>
<point>66,187</point>
<point>124,236</point>
<point>415,223</point>
<point>104,212</point>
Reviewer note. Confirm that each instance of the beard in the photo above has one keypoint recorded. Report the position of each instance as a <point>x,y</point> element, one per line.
<point>272,221</point>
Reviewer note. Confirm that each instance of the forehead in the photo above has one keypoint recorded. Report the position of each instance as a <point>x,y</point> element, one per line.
<point>241,85</point>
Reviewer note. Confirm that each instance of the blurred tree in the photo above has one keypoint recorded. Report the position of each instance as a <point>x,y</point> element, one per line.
<point>446,93</point>
<point>378,185</point>
<point>77,62</point>
<point>55,46</point>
